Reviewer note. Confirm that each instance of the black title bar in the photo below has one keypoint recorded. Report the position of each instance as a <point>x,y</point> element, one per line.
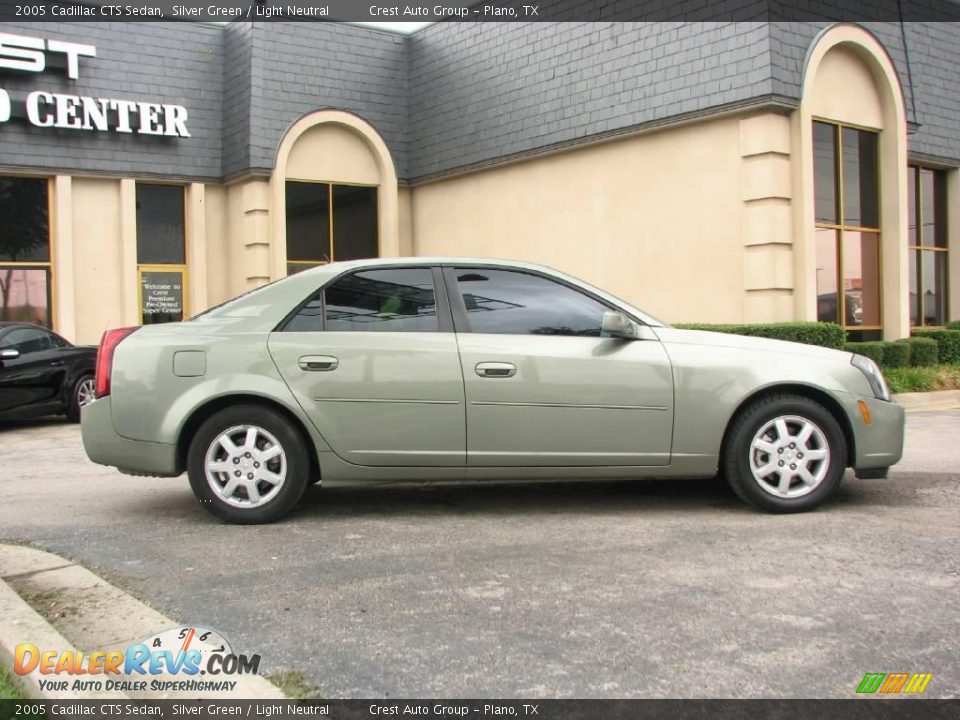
<point>392,709</point>
<point>472,11</point>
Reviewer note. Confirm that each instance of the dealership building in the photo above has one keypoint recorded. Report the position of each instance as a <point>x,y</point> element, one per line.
<point>713,172</point>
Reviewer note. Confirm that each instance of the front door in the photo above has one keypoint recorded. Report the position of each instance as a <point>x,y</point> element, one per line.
<point>543,387</point>
<point>32,380</point>
<point>373,361</point>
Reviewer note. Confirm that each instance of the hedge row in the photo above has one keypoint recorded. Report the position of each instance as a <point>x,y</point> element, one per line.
<point>886,354</point>
<point>828,335</point>
<point>948,344</point>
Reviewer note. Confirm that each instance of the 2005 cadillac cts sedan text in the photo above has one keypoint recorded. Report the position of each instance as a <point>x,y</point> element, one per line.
<point>424,369</point>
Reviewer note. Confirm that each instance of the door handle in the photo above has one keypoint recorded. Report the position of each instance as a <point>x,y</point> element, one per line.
<point>496,369</point>
<point>319,363</point>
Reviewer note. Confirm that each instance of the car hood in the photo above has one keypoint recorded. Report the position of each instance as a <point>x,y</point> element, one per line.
<point>745,342</point>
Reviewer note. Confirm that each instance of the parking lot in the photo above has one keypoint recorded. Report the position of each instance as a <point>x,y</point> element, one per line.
<point>603,589</point>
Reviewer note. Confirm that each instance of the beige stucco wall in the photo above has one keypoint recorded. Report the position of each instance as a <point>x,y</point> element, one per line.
<point>653,218</point>
<point>97,259</point>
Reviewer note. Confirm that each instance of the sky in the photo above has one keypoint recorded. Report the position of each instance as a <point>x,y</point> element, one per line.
<point>404,27</point>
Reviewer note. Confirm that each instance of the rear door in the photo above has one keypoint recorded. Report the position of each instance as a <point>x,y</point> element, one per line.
<point>373,361</point>
<point>543,387</point>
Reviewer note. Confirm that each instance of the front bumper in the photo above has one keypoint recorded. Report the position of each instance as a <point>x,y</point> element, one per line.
<point>105,446</point>
<point>879,444</point>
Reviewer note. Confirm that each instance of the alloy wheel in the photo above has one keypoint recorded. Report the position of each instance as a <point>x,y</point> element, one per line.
<point>789,456</point>
<point>245,466</point>
<point>86,392</point>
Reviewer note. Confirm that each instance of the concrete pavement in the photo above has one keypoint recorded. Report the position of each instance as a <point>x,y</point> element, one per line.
<point>632,589</point>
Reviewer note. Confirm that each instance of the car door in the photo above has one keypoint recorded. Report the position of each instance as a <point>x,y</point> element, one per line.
<point>543,387</point>
<point>32,378</point>
<point>372,359</point>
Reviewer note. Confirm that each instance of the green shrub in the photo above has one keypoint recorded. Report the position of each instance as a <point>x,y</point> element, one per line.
<point>872,350</point>
<point>923,379</point>
<point>948,344</point>
<point>953,325</point>
<point>895,355</point>
<point>828,335</point>
<point>923,351</point>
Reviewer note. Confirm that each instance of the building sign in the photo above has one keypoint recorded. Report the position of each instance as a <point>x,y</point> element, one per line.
<point>161,296</point>
<point>78,112</point>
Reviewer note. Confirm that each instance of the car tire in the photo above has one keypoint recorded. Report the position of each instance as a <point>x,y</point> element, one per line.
<point>248,465</point>
<point>80,395</point>
<point>785,454</point>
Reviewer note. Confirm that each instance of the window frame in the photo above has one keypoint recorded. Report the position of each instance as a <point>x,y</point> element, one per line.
<point>331,219</point>
<point>461,318</point>
<point>50,265</point>
<point>445,323</point>
<point>916,248</point>
<point>841,228</point>
<point>182,268</point>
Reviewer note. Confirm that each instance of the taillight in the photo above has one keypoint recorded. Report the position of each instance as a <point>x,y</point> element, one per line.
<point>108,345</point>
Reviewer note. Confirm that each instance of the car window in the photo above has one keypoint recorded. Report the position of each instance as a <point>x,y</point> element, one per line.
<point>389,300</point>
<point>27,340</point>
<point>516,303</point>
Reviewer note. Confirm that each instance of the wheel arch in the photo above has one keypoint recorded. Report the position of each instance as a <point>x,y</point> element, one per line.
<point>202,412</point>
<point>807,391</point>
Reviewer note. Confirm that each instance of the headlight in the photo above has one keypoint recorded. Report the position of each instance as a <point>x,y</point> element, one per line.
<point>869,368</point>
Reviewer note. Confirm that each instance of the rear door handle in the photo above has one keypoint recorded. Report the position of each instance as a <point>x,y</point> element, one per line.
<point>496,369</point>
<point>319,363</point>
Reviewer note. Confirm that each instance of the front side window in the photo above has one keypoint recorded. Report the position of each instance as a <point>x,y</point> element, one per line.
<point>25,257</point>
<point>389,300</point>
<point>927,246</point>
<point>161,253</point>
<point>327,222</point>
<point>847,217</point>
<point>27,340</point>
<point>509,302</point>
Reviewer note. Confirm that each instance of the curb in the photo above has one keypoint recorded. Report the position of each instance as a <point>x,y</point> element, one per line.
<point>18,622</point>
<point>936,400</point>
<point>95,615</point>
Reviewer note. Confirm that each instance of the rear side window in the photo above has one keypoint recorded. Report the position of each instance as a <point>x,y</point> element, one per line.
<point>388,300</point>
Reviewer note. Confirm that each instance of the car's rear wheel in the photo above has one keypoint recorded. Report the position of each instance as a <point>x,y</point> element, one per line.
<point>84,392</point>
<point>248,464</point>
<point>785,453</point>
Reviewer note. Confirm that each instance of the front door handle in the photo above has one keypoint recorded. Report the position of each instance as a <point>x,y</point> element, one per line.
<point>319,363</point>
<point>496,369</point>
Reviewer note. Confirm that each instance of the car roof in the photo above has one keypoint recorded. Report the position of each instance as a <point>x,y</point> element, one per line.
<point>12,324</point>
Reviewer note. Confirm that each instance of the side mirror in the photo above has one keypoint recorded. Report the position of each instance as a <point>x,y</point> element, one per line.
<point>9,354</point>
<point>619,325</point>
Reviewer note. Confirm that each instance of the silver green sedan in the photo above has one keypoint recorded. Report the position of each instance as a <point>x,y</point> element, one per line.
<point>439,369</point>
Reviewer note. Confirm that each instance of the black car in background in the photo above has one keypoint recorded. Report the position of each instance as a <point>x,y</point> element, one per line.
<point>43,374</point>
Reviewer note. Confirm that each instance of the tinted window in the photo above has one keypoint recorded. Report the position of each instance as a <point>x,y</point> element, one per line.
<point>308,223</point>
<point>394,300</point>
<point>516,303</point>
<point>26,340</point>
<point>160,225</point>
<point>860,179</point>
<point>354,222</point>
<point>24,228</point>
<point>825,172</point>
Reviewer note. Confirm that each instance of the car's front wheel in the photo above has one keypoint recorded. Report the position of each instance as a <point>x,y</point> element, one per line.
<point>248,464</point>
<point>785,453</point>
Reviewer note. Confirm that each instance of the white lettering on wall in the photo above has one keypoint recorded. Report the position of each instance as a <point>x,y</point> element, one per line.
<point>80,112</point>
<point>19,52</point>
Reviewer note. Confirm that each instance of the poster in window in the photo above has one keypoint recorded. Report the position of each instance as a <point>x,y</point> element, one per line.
<point>161,296</point>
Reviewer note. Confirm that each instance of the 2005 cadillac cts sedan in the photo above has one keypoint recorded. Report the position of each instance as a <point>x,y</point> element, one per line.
<point>423,369</point>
